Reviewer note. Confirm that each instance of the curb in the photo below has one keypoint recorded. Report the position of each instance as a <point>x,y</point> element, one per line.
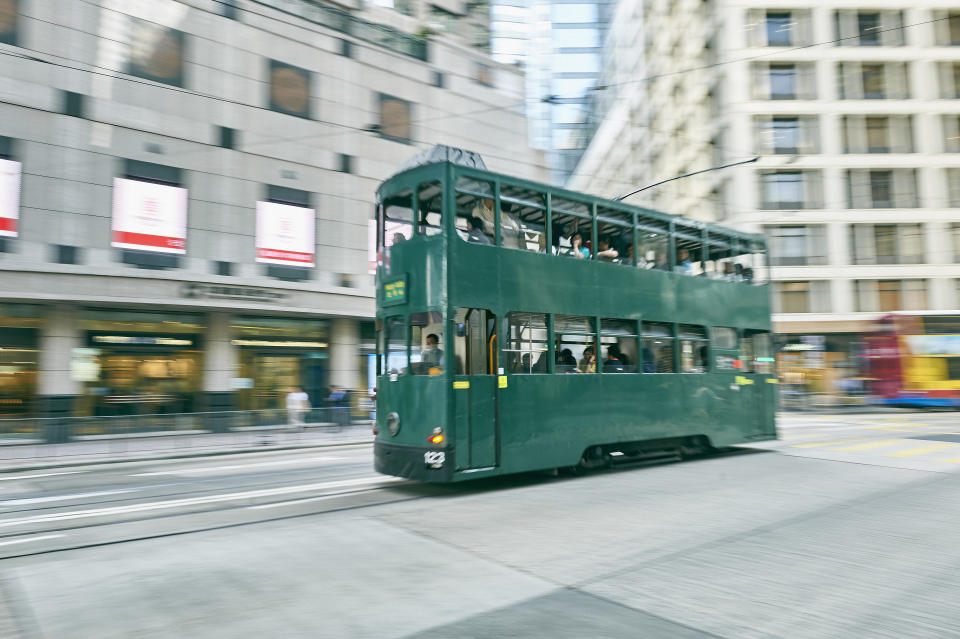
<point>215,453</point>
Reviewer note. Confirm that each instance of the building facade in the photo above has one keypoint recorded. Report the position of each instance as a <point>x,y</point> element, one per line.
<point>853,110</point>
<point>187,190</point>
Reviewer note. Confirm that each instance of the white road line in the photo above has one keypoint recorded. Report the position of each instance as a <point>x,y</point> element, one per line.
<point>43,500</point>
<point>294,502</point>
<point>193,501</point>
<point>66,472</point>
<point>214,469</point>
<point>28,539</point>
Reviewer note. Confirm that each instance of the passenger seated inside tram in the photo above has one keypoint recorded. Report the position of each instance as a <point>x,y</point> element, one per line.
<point>566,362</point>
<point>606,252</point>
<point>660,263</point>
<point>588,363</point>
<point>684,265</point>
<point>564,241</point>
<point>578,249</point>
<point>613,364</point>
<point>648,365</point>
<point>476,234</point>
<point>728,273</point>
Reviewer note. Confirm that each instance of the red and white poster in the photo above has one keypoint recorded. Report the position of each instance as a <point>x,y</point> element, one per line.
<point>9,197</point>
<point>149,217</point>
<point>285,234</point>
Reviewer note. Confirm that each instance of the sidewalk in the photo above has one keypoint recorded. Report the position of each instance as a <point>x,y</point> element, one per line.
<point>146,446</point>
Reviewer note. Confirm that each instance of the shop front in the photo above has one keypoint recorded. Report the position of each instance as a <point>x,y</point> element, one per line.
<point>19,358</point>
<point>139,363</point>
<point>277,354</point>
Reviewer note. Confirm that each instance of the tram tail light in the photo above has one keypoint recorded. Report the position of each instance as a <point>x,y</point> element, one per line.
<point>437,437</point>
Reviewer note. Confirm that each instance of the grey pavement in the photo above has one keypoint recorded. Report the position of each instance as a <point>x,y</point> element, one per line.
<point>776,543</point>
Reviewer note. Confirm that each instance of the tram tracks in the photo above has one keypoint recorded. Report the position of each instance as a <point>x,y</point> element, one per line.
<point>106,531</point>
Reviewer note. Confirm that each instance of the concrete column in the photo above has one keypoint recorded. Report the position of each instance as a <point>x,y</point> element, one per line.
<point>345,354</point>
<point>219,369</point>
<point>56,387</point>
<point>58,337</point>
<point>220,355</point>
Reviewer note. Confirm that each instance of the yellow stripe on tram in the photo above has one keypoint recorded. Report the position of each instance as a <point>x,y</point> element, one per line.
<point>923,450</point>
<point>869,445</point>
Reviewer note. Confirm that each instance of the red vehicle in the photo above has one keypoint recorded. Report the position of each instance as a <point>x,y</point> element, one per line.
<point>913,359</point>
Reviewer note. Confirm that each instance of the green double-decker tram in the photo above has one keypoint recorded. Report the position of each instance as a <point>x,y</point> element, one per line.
<point>525,327</point>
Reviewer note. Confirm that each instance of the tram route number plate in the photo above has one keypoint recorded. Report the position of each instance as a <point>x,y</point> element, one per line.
<point>434,458</point>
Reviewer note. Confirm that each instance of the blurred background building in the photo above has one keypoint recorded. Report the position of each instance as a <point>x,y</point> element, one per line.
<point>186,188</point>
<point>854,112</point>
<point>558,43</point>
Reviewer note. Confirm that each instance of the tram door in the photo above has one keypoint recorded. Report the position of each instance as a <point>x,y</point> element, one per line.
<point>475,388</point>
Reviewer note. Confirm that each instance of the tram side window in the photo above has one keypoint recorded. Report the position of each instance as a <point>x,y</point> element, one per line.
<point>525,350</point>
<point>572,228</point>
<point>396,346</point>
<point>476,213</point>
<point>725,345</point>
<point>426,349</point>
<point>615,237</point>
<point>693,349</point>
<point>657,347</point>
<point>430,208</point>
<point>653,249</point>
<point>576,345</point>
<point>398,218</point>
<point>757,352</point>
<point>523,219</point>
<point>751,264</point>
<point>618,345</point>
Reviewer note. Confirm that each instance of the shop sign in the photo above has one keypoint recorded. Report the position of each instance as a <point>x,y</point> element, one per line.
<point>395,291</point>
<point>285,234</point>
<point>141,340</point>
<point>9,197</point>
<point>218,291</point>
<point>149,217</point>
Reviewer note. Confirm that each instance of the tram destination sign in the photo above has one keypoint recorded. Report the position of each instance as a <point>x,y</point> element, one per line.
<point>395,291</point>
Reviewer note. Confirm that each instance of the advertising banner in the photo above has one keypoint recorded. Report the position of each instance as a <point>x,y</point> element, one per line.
<point>9,197</point>
<point>285,234</point>
<point>149,217</point>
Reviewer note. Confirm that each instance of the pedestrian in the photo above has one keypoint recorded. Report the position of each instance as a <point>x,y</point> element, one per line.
<point>298,403</point>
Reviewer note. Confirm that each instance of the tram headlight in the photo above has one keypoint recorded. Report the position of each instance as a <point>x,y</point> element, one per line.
<point>393,424</point>
<point>437,436</point>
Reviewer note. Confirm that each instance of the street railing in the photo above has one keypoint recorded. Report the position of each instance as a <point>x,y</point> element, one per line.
<point>58,430</point>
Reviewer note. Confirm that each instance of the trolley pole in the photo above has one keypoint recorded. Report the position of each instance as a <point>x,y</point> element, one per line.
<point>677,177</point>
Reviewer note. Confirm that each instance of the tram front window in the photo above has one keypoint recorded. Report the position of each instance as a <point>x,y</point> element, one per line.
<point>396,346</point>
<point>426,343</point>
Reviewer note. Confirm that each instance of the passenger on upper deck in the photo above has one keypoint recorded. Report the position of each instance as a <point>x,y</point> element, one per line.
<point>564,241</point>
<point>509,228</point>
<point>578,250</point>
<point>606,252</point>
<point>684,265</point>
<point>661,263</point>
<point>476,234</point>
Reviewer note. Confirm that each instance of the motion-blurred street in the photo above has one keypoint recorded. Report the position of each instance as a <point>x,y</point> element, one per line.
<point>847,527</point>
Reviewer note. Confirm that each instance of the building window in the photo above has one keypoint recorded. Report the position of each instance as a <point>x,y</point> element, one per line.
<point>797,245</point>
<point>881,189</point>
<point>951,131</point>
<point>783,81</point>
<point>801,297</point>
<point>790,189</point>
<point>483,74</point>
<point>882,296</point>
<point>877,134</point>
<point>289,89</point>
<point>955,235</point>
<point>873,81</point>
<point>779,27</point>
<point>8,22</point>
<point>887,244</point>
<point>395,118</point>
<point>158,54</point>
<point>949,80</point>
<point>869,28</point>
<point>953,186</point>
<point>787,134</point>
<point>947,28</point>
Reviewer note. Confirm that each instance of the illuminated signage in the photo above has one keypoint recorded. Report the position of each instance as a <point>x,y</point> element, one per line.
<point>9,197</point>
<point>278,343</point>
<point>142,340</point>
<point>395,291</point>
<point>285,234</point>
<point>149,217</point>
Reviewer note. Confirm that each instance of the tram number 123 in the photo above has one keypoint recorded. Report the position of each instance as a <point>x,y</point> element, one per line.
<point>434,458</point>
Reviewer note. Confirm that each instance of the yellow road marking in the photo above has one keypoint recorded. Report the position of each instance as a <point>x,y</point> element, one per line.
<point>828,443</point>
<point>869,445</point>
<point>923,450</point>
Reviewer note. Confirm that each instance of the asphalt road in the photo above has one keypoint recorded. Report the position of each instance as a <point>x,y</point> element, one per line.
<point>847,527</point>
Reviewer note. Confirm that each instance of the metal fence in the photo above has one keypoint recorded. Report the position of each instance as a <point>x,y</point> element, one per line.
<point>59,430</point>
